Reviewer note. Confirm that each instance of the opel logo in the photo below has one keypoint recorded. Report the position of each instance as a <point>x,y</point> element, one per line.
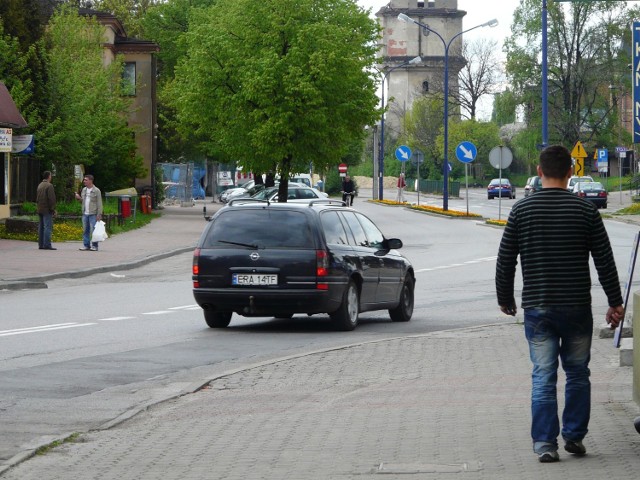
<point>254,256</point>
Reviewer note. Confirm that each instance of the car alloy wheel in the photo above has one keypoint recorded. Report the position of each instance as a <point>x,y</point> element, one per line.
<point>346,317</point>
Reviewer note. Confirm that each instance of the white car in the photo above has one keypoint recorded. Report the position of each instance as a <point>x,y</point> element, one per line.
<point>230,193</point>
<point>574,180</point>
<point>296,192</point>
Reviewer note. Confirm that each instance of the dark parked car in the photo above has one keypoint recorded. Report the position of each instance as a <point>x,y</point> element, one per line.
<point>534,184</point>
<point>500,188</point>
<point>592,191</point>
<point>261,259</point>
<point>574,180</point>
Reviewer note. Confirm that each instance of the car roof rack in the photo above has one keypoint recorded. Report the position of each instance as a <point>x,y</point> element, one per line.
<point>327,201</point>
<point>245,200</point>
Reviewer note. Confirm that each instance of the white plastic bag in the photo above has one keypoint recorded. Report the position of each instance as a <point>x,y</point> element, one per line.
<point>99,232</point>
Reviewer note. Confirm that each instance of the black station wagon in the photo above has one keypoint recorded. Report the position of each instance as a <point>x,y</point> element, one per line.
<point>280,259</point>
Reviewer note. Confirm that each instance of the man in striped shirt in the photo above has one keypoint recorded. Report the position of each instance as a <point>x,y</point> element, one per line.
<point>554,232</point>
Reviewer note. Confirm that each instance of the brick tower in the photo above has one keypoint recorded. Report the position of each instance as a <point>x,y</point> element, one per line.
<point>402,42</point>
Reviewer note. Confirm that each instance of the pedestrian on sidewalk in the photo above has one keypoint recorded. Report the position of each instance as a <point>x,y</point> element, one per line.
<point>91,198</point>
<point>401,184</point>
<point>46,205</point>
<point>554,232</point>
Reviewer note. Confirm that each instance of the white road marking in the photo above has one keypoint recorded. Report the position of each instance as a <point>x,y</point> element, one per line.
<point>43,328</point>
<point>453,265</point>
<point>61,326</point>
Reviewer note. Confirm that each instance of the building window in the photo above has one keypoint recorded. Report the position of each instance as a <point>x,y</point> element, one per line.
<point>129,79</point>
<point>425,87</point>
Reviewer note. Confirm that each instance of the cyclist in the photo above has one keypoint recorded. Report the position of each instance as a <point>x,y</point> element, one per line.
<point>348,189</point>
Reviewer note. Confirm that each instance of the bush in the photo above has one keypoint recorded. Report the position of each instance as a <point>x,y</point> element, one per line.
<point>109,205</point>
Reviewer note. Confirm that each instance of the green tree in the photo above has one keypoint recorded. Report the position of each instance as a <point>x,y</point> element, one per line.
<point>584,59</point>
<point>278,83</point>
<point>166,24</point>
<point>22,62</point>
<point>23,20</point>
<point>504,108</point>
<point>129,12</point>
<point>87,121</point>
<point>14,71</point>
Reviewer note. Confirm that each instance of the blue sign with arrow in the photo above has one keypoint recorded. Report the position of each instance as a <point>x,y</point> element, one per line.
<point>466,152</point>
<point>403,153</point>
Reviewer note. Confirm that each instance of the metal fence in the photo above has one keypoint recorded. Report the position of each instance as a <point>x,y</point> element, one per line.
<point>437,186</point>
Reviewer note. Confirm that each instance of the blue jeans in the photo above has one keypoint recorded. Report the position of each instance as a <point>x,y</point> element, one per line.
<point>45,228</point>
<point>564,332</point>
<point>88,224</point>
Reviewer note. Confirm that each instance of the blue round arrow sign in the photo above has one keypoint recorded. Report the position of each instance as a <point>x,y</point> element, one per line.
<point>403,153</point>
<point>466,152</point>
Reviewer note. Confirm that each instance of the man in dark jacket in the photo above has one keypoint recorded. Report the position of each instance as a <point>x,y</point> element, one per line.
<point>348,189</point>
<point>46,205</point>
<point>554,232</point>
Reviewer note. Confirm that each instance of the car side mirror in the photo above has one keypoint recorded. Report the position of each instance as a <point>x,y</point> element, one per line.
<point>394,243</point>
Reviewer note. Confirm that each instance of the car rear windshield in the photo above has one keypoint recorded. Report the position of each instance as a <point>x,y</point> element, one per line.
<point>264,228</point>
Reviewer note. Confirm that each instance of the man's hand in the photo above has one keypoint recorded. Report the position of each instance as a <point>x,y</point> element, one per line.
<point>509,309</point>
<point>614,316</point>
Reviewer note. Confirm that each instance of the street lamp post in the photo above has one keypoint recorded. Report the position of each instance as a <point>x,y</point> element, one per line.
<point>445,167</point>
<point>381,155</point>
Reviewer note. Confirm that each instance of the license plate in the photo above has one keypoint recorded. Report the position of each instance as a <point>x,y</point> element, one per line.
<point>592,194</point>
<point>253,279</point>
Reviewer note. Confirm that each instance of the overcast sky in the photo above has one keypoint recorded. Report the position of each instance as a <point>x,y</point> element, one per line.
<point>478,12</point>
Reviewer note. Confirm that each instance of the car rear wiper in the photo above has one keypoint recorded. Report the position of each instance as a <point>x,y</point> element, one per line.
<point>240,244</point>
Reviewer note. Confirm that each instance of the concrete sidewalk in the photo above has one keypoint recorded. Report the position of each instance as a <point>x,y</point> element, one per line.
<point>177,230</point>
<point>443,405</point>
<point>452,404</point>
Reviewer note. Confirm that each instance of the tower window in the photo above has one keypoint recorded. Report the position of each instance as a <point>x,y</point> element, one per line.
<point>425,87</point>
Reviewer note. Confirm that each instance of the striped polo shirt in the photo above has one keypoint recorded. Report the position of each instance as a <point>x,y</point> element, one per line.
<point>554,232</point>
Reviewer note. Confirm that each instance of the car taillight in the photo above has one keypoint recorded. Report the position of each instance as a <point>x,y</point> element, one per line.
<point>195,269</point>
<point>602,194</point>
<point>322,269</point>
<point>581,194</point>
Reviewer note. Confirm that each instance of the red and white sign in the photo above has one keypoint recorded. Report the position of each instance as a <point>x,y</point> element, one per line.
<point>342,168</point>
<point>5,139</point>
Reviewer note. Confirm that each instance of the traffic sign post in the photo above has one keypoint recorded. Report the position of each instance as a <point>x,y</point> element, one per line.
<point>578,154</point>
<point>417,159</point>
<point>500,157</point>
<point>403,153</point>
<point>466,152</point>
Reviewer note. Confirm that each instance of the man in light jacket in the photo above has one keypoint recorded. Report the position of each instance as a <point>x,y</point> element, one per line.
<point>91,199</point>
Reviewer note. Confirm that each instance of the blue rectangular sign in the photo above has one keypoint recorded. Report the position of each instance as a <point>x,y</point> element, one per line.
<point>635,82</point>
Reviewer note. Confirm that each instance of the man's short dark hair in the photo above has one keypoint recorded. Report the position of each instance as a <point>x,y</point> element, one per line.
<point>89,176</point>
<point>555,161</point>
<point>46,174</point>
